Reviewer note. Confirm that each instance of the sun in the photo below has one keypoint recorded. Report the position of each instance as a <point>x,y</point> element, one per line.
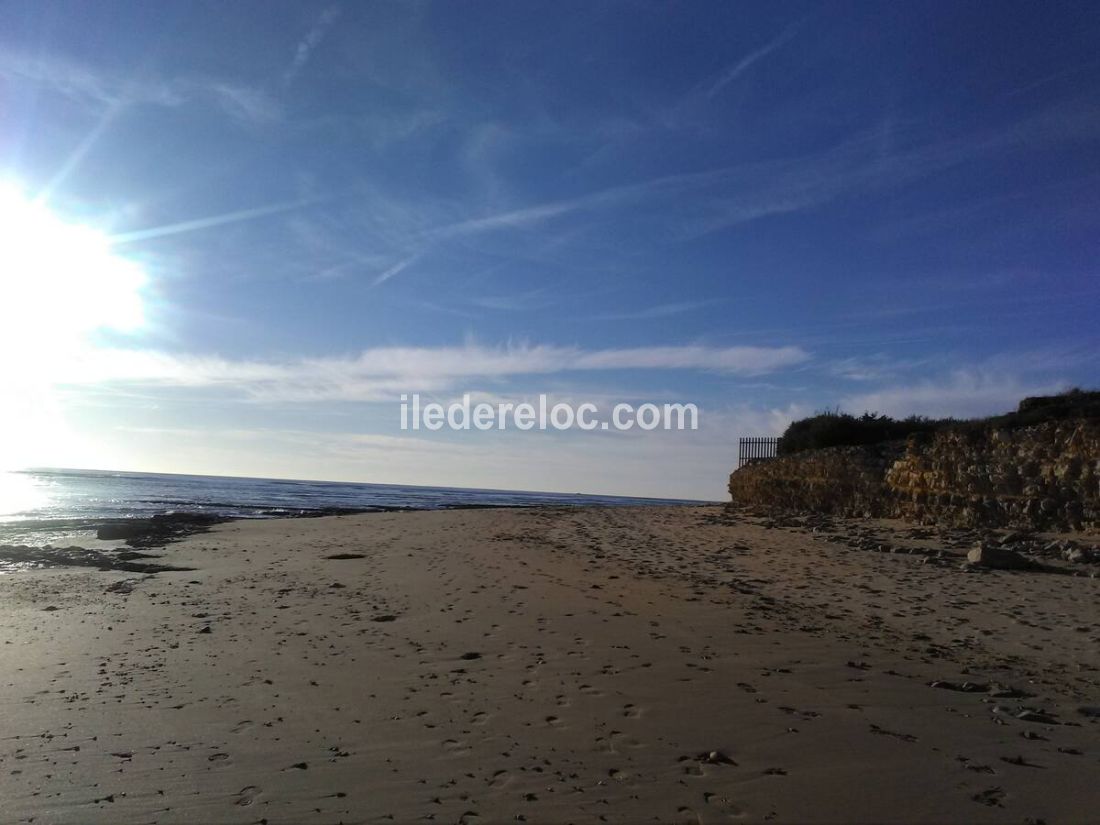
<point>61,279</point>
<point>61,286</point>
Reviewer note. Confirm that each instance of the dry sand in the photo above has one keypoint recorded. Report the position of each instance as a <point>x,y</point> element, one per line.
<point>553,665</point>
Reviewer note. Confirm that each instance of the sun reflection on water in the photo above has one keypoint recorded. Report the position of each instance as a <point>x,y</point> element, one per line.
<point>21,493</point>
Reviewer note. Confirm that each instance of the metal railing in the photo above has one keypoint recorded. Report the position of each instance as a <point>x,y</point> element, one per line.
<point>751,450</point>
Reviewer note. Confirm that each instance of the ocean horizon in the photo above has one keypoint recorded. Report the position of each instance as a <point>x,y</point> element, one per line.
<point>48,505</point>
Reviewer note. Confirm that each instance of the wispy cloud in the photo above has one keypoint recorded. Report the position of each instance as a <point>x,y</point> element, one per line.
<point>103,90</point>
<point>963,393</point>
<point>745,63</point>
<point>388,227</point>
<point>82,83</point>
<point>519,218</point>
<point>873,367</point>
<point>523,302</point>
<point>244,103</point>
<point>736,194</point>
<point>382,373</point>
<point>1051,78</point>
<point>739,360</point>
<point>310,42</point>
<point>658,311</point>
<point>396,269</point>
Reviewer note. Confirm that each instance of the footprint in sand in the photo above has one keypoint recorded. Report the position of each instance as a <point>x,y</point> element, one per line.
<point>723,804</point>
<point>617,740</point>
<point>247,795</point>
<point>992,797</point>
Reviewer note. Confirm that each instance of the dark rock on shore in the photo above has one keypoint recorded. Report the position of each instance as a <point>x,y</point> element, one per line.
<point>998,558</point>
<point>119,532</point>
<point>157,530</point>
<point>19,556</point>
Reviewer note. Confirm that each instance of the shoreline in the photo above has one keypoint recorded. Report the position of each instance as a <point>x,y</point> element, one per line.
<point>689,663</point>
<point>156,531</point>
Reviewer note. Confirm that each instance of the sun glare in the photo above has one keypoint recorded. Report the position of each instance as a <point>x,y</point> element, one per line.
<point>61,278</point>
<point>60,282</point>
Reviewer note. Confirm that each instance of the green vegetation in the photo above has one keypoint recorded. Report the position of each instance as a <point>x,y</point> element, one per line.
<point>837,429</point>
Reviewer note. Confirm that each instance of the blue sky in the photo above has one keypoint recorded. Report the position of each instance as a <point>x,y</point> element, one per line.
<point>765,209</point>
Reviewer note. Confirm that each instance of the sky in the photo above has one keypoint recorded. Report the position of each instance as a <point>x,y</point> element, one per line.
<point>237,232</point>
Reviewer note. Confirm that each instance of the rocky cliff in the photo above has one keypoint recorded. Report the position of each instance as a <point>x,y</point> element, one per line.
<point>1044,476</point>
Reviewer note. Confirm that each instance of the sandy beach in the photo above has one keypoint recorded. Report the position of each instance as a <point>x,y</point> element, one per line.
<point>662,664</point>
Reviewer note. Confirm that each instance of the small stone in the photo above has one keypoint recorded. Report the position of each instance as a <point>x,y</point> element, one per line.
<point>1078,555</point>
<point>997,558</point>
<point>715,758</point>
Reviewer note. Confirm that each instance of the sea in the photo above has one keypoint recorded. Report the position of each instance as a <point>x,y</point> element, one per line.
<point>57,506</point>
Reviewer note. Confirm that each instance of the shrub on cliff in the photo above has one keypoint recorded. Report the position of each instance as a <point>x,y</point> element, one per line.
<point>837,429</point>
<point>1075,403</point>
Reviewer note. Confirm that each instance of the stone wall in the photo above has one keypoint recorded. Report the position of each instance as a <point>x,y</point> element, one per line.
<point>1045,476</point>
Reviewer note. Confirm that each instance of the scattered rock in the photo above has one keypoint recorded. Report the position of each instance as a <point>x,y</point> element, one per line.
<point>714,758</point>
<point>119,531</point>
<point>965,687</point>
<point>998,558</point>
<point>1080,555</point>
<point>157,530</point>
<point>125,587</point>
<point>1019,760</point>
<point>16,556</point>
<point>1004,692</point>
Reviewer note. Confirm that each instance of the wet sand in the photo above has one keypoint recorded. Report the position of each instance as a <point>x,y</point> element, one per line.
<point>671,664</point>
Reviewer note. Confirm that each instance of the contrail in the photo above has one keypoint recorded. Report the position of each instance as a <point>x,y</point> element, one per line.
<point>746,62</point>
<point>212,220</point>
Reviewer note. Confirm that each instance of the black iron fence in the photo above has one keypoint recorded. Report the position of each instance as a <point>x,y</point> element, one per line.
<point>751,450</point>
